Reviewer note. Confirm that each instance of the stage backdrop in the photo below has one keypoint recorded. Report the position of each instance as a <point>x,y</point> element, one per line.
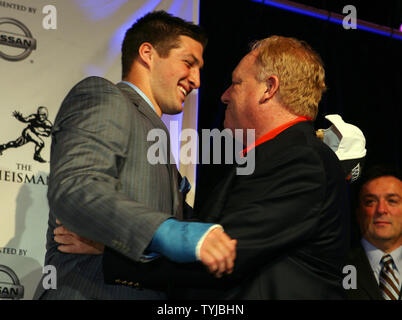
<point>45,48</point>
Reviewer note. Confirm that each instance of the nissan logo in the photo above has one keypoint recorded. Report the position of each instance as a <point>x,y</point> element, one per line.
<point>10,38</point>
<point>11,290</point>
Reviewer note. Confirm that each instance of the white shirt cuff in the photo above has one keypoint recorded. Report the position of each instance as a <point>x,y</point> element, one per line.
<point>201,241</point>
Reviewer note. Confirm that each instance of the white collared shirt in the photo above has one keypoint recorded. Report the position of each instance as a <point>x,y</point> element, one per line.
<point>374,256</point>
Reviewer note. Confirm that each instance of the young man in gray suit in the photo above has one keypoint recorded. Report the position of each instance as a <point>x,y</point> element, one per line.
<point>102,185</point>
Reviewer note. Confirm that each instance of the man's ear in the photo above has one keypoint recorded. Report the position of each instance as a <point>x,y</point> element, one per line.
<point>272,86</point>
<point>145,53</point>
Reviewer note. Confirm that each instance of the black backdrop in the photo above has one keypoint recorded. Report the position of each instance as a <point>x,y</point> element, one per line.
<point>363,69</point>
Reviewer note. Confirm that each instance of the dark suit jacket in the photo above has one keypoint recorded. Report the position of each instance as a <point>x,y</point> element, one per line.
<point>102,186</point>
<point>291,220</point>
<point>367,286</point>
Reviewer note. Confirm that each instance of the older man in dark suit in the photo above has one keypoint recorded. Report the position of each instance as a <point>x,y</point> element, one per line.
<point>291,215</point>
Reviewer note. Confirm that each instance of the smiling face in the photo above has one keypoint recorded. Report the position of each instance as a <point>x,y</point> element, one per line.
<point>173,77</point>
<point>380,212</point>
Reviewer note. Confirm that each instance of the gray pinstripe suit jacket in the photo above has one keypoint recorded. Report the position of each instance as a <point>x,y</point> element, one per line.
<point>102,187</point>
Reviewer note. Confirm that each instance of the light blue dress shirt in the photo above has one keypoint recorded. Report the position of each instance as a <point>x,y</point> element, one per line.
<point>177,240</point>
<point>374,256</point>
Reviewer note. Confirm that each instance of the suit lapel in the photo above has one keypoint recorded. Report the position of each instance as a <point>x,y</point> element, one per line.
<point>365,276</point>
<point>142,106</point>
<point>150,114</point>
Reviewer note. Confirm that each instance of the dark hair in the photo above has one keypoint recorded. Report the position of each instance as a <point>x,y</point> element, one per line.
<point>162,30</point>
<point>380,170</point>
<point>371,173</point>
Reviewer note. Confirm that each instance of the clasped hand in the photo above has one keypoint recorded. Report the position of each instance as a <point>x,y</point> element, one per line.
<point>217,252</point>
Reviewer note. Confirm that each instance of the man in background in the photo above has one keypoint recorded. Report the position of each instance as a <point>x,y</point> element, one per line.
<point>378,255</point>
